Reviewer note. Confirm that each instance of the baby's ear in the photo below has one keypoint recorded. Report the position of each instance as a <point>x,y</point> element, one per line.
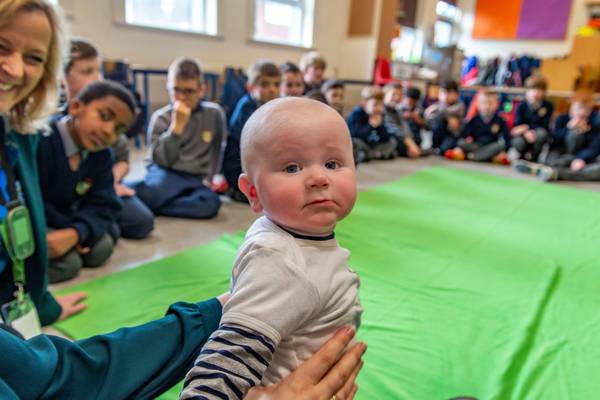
<point>249,190</point>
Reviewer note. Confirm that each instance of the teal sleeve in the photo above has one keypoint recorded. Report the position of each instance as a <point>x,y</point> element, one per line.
<point>133,363</point>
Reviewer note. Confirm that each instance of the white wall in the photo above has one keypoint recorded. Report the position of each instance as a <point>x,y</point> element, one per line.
<point>348,58</point>
<point>541,48</point>
<point>157,48</point>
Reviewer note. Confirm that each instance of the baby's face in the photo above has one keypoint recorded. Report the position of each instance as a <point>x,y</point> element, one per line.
<point>304,176</point>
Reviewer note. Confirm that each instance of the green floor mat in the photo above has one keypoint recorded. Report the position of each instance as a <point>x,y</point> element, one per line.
<point>472,285</point>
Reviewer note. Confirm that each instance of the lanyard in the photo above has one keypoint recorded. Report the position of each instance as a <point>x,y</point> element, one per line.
<point>17,234</point>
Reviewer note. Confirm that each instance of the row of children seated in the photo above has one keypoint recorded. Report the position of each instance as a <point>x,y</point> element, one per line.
<point>88,205</point>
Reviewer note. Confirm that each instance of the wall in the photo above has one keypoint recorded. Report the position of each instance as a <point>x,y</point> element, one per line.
<point>143,47</point>
<point>540,48</point>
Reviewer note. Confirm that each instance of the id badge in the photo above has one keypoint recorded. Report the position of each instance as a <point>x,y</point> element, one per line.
<point>22,316</point>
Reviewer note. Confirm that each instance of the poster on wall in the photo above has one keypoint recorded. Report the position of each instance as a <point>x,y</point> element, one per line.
<point>521,19</point>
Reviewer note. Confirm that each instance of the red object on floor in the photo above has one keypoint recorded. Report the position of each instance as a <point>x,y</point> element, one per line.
<point>454,155</point>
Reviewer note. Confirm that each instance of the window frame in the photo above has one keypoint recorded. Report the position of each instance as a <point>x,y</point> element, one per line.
<point>119,18</point>
<point>454,22</point>
<point>252,25</point>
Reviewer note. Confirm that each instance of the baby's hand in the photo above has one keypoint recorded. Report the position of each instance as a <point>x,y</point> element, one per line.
<point>578,164</point>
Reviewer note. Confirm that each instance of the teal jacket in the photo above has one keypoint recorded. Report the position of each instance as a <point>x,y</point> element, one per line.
<point>36,266</point>
<point>130,363</point>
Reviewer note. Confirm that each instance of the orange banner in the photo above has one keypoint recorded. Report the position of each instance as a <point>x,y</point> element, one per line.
<point>496,19</point>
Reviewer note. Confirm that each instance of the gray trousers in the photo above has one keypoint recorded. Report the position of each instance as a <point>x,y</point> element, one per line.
<point>591,172</point>
<point>377,151</point>
<point>522,146</point>
<point>573,143</point>
<point>477,152</point>
<point>67,266</point>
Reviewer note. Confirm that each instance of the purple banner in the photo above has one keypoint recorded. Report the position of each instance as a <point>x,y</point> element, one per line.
<point>544,19</point>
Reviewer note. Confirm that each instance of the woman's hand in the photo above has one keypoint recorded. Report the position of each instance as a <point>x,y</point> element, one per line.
<point>322,376</point>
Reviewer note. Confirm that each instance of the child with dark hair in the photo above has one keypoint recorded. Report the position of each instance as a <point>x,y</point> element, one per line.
<point>446,117</point>
<point>485,137</point>
<point>370,136</point>
<point>186,141</point>
<point>412,113</point>
<point>396,124</point>
<point>291,80</point>
<point>334,91</point>
<point>82,67</point>
<point>264,80</point>
<point>532,120</point>
<point>74,165</point>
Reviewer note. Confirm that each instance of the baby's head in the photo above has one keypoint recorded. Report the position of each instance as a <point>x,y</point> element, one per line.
<point>298,165</point>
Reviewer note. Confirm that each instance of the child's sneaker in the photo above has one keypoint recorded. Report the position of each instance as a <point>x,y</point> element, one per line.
<point>527,167</point>
<point>547,173</point>
<point>454,155</point>
<point>501,159</point>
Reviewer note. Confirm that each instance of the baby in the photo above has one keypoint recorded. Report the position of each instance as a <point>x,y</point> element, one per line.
<point>291,287</point>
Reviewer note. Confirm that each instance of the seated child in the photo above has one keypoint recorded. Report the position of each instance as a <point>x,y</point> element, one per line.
<point>313,66</point>
<point>291,80</point>
<point>485,137</point>
<point>532,120</point>
<point>412,113</point>
<point>395,124</point>
<point>446,117</point>
<point>370,137</point>
<point>186,141</point>
<point>334,91</point>
<point>576,146</point>
<point>135,220</point>
<point>74,163</point>
<point>264,80</point>
<point>291,286</point>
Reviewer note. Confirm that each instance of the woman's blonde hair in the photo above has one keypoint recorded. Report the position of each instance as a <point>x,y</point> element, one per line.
<point>42,101</point>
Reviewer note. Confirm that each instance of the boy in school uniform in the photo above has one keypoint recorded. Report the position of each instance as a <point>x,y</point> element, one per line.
<point>532,120</point>
<point>370,137</point>
<point>74,163</point>
<point>186,141</point>
<point>412,112</point>
<point>334,92</point>
<point>446,117</point>
<point>396,125</point>
<point>485,137</point>
<point>291,286</point>
<point>292,83</point>
<point>264,80</point>
<point>576,146</point>
<point>313,66</point>
<point>135,220</point>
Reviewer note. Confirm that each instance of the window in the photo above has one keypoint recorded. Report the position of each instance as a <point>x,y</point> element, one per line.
<point>284,21</point>
<point>448,16</point>
<point>198,16</point>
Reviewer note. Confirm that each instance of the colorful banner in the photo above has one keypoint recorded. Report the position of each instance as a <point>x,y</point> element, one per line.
<point>521,19</point>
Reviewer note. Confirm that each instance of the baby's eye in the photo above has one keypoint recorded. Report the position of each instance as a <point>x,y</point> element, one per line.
<point>292,168</point>
<point>332,165</point>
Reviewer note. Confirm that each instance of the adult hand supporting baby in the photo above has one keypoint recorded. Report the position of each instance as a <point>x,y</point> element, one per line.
<point>323,375</point>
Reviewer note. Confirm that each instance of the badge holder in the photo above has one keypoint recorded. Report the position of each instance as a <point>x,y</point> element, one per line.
<point>21,313</point>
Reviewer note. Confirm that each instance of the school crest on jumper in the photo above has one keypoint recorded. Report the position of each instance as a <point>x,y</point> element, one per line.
<point>542,111</point>
<point>207,136</point>
<point>83,186</point>
<point>495,129</point>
